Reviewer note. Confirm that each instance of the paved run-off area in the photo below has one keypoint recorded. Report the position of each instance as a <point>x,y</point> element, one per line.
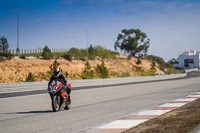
<point>90,107</point>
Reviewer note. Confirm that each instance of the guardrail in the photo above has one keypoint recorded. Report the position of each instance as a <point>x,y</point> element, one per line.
<point>31,86</point>
<point>190,70</point>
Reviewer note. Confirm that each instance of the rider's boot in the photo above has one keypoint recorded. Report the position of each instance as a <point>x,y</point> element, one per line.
<point>69,99</point>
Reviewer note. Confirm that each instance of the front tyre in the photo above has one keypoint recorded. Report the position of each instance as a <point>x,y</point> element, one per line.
<point>55,103</point>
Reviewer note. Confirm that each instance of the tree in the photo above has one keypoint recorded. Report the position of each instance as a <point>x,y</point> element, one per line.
<point>173,61</point>
<point>54,65</point>
<point>102,70</point>
<point>132,41</point>
<point>146,47</point>
<point>88,73</point>
<point>47,53</point>
<point>90,50</point>
<point>4,44</point>
<point>30,78</point>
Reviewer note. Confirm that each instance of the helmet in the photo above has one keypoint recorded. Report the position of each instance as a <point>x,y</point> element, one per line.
<point>56,72</point>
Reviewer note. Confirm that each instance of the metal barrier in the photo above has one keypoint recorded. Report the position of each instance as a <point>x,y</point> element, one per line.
<point>30,86</point>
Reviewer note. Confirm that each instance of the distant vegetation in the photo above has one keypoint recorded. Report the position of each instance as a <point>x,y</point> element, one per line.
<point>4,44</point>
<point>47,53</point>
<point>133,41</point>
<point>4,51</point>
<point>163,66</point>
<point>92,53</point>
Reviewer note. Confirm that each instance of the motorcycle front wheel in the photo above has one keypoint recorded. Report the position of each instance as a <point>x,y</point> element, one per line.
<point>55,103</point>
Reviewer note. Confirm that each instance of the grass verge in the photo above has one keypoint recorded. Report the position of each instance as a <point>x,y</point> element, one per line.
<point>181,120</point>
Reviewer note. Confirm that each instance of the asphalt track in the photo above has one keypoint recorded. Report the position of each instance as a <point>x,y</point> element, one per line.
<point>90,107</point>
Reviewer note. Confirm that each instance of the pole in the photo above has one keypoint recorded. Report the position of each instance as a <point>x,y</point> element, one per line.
<point>87,38</point>
<point>18,52</point>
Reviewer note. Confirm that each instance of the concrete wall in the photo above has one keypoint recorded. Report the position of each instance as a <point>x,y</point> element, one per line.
<point>31,86</point>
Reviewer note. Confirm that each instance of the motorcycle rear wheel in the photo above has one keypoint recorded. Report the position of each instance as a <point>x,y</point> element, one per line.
<point>55,103</point>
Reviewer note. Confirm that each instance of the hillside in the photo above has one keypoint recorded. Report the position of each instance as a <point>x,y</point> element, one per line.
<point>17,69</point>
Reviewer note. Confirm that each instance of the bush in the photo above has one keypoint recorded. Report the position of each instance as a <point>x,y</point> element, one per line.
<point>78,54</point>
<point>171,70</point>
<point>102,70</point>
<point>66,74</point>
<point>138,68</point>
<point>67,57</point>
<point>54,65</point>
<point>23,57</point>
<point>150,72</point>
<point>119,75</point>
<point>91,53</point>
<point>7,55</point>
<point>104,53</point>
<point>88,73</point>
<point>138,62</point>
<point>30,78</point>
<point>153,65</point>
<point>47,53</point>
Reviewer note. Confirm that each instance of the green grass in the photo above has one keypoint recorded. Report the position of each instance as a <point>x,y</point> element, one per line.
<point>33,54</point>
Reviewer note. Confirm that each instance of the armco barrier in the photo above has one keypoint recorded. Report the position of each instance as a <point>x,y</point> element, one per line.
<point>30,86</point>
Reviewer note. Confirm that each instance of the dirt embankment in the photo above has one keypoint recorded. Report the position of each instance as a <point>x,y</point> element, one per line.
<point>17,70</point>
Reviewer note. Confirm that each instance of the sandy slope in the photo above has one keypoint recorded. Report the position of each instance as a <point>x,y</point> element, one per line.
<point>16,70</point>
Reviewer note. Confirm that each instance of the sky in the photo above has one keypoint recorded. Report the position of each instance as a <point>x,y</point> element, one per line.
<point>172,25</point>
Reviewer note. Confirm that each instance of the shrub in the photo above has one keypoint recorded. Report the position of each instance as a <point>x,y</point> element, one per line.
<point>7,55</point>
<point>171,70</point>
<point>54,65</point>
<point>153,65</point>
<point>47,53</point>
<point>30,78</point>
<point>102,70</point>
<point>104,53</point>
<point>66,74</point>
<point>88,73</point>
<point>51,67</point>
<point>138,68</point>
<point>138,62</point>
<point>67,57</point>
<point>123,74</point>
<point>77,54</point>
<point>23,57</point>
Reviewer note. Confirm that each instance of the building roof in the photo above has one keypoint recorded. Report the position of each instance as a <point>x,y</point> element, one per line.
<point>192,52</point>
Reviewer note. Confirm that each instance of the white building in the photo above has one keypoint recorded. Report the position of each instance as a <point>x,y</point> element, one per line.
<point>189,59</point>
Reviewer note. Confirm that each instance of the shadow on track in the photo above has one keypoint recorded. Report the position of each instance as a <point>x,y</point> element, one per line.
<point>32,112</point>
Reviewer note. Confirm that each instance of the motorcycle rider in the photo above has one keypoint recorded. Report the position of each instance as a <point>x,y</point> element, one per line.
<point>57,75</point>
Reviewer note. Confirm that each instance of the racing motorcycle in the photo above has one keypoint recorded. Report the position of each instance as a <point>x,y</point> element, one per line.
<point>58,97</point>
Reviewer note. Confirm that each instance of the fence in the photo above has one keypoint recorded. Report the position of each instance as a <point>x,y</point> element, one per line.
<point>38,50</point>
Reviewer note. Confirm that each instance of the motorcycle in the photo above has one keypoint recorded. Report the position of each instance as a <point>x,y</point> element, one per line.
<point>58,97</point>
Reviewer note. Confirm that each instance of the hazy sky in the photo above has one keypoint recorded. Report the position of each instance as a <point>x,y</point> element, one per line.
<point>172,25</point>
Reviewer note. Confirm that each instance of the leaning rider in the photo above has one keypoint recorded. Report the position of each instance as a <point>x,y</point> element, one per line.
<point>57,75</point>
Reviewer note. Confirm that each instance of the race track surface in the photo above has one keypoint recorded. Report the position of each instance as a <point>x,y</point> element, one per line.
<point>90,107</point>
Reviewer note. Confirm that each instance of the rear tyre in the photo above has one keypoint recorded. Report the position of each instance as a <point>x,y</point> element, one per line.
<point>55,103</point>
